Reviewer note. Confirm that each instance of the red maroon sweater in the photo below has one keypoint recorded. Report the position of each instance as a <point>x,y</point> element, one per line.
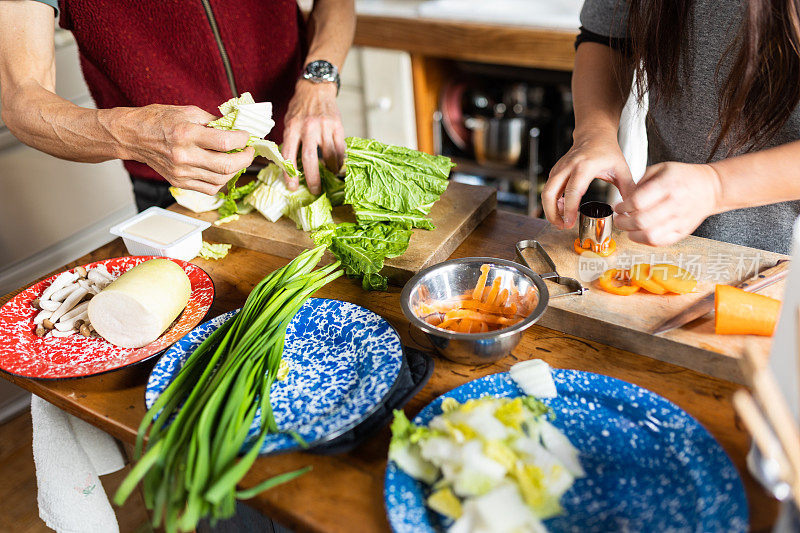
<point>140,52</point>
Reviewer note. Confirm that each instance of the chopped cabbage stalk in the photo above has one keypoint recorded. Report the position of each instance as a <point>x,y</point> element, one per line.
<point>231,105</point>
<point>225,220</point>
<point>194,200</point>
<point>245,114</point>
<point>270,197</point>
<point>534,378</point>
<point>316,214</point>
<point>270,150</point>
<point>561,447</point>
<point>496,465</point>
<point>214,251</point>
<point>503,510</point>
<point>295,201</point>
<point>255,119</point>
<point>443,501</point>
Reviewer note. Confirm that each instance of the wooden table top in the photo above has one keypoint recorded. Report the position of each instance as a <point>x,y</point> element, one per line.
<point>345,493</point>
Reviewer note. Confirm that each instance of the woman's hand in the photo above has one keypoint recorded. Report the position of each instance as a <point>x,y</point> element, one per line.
<point>669,202</point>
<point>175,142</point>
<point>593,155</point>
<point>313,122</point>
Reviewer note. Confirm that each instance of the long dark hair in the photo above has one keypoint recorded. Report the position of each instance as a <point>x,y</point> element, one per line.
<point>763,86</point>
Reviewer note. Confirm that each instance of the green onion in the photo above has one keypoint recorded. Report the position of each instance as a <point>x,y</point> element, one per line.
<point>198,427</point>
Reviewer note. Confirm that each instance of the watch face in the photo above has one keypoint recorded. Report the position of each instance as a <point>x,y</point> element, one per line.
<point>321,70</point>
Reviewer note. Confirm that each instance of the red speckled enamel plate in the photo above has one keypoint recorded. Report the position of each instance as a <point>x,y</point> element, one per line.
<point>24,354</point>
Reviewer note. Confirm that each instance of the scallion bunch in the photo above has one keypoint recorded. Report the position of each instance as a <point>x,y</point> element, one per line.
<point>198,426</point>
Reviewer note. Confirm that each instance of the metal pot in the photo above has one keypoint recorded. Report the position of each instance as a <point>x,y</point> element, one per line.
<point>497,141</point>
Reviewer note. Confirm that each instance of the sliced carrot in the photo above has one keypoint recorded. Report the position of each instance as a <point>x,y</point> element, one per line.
<point>477,294</point>
<point>464,326</point>
<point>448,323</point>
<point>433,320</point>
<point>495,290</point>
<point>484,327</point>
<point>640,276</point>
<point>486,308</point>
<point>614,281</point>
<point>738,312</point>
<point>488,318</point>
<point>673,278</point>
<point>501,298</point>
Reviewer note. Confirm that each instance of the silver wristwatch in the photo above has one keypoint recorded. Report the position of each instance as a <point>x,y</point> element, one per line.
<point>321,71</point>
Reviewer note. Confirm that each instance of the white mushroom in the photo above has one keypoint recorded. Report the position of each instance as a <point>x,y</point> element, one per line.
<point>61,294</point>
<point>97,277</point>
<point>103,271</point>
<point>57,333</point>
<point>75,311</point>
<point>61,281</point>
<point>88,285</point>
<point>49,305</point>
<point>68,304</point>
<point>41,315</point>
<point>70,323</point>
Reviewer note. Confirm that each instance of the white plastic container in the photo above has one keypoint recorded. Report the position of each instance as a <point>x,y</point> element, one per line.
<point>185,245</point>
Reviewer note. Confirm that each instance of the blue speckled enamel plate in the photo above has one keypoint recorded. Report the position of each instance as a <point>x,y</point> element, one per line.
<point>650,466</point>
<point>342,359</point>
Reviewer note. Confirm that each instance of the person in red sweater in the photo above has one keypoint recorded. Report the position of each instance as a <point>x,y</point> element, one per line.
<point>158,69</point>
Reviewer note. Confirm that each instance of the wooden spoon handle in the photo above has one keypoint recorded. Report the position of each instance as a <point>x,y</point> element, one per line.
<point>766,277</point>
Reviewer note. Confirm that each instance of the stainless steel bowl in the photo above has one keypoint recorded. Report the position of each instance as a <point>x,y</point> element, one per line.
<point>456,276</point>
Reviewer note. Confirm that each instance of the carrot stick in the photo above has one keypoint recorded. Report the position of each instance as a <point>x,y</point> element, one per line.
<point>494,291</point>
<point>464,326</point>
<point>448,323</point>
<point>501,298</point>
<point>475,315</point>
<point>740,312</point>
<point>433,320</point>
<point>478,292</point>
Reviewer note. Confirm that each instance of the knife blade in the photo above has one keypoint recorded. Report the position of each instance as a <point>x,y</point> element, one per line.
<point>705,304</point>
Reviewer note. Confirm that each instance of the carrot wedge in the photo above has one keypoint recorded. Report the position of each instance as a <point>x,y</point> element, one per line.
<point>738,312</point>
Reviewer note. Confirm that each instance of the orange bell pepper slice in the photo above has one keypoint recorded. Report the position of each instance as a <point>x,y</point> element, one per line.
<point>640,276</point>
<point>606,251</point>
<point>617,282</point>
<point>673,278</point>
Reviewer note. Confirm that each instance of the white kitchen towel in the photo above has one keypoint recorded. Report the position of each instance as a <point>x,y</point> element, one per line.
<point>70,455</point>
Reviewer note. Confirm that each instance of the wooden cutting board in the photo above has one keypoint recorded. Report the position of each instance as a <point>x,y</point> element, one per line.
<point>459,211</point>
<point>626,321</point>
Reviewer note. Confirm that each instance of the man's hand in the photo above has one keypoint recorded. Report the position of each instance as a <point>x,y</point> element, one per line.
<point>669,202</point>
<point>174,141</point>
<point>313,122</point>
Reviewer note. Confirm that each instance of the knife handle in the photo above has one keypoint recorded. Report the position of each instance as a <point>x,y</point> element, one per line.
<point>766,277</point>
